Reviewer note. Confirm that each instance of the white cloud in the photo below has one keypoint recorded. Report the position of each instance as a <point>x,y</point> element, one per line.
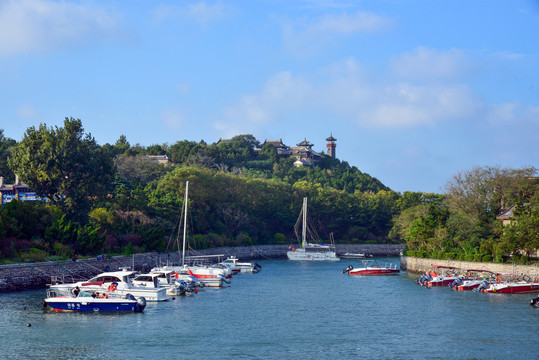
<point>405,105</point>
<point>27,112</point>
<point>280,94</point>
<point>200,13</point>
<point>302,36</point>
<point>512,113</point>
<point>351,93</point>
<point>508,56</point>
<point>429,64</point>
<point>173,118</point>
<point>41,25</point>
<point>502,113</point>
<point>183,88</point>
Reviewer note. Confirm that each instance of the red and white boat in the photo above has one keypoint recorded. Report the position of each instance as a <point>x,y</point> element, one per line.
<point>513,287</point>
<point>480,277</point>
<point>448,275</point>
<point>370,268</point>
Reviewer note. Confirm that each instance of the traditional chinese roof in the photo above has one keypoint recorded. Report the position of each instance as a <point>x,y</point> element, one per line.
<point>331,138</point>
<point>277,143</point>
<point>305,143</point>
<point>506,213</point>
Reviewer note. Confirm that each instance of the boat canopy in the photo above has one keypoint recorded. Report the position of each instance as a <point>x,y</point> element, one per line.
<point>444,267</point>
<point>479,270</point>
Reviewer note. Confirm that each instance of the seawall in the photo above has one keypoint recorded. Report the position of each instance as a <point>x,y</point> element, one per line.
<point>420,265</point>
<point>38,275</point>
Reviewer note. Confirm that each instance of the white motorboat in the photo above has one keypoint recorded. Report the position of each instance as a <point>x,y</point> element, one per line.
<point>158,279</point>
<point>309,251</point>
<point>240,267</point>
<point>89,302</point>
<point>210,275</point>
<point>123,280</point>
<point>174,274</point>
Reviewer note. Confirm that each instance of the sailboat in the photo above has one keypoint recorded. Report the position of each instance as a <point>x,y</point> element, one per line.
<point>210,275</point>
<point>308,251</point>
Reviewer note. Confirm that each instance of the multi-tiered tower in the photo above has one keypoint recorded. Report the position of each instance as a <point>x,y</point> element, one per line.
<point>331,145</point>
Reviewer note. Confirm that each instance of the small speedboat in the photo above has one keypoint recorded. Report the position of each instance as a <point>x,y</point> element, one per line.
<point>93,302</point>
<point>163,279</point>
<point>350,255</point>
<point>211,276</point>
<point>512,287</point>
<point>370,268</point>
<point>240,267</point>
<point>443,276</point>
<point>479,279</point>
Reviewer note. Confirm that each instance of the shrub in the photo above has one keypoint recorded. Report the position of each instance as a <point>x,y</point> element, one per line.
<point>450,256</point>
<point>279,238</point>
<point>487,258</point>
<point>477,257</point>
<point>469,257</point>
<point>33,255</point>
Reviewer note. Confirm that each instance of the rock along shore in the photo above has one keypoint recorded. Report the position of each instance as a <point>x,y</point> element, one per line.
<point>37,275</point>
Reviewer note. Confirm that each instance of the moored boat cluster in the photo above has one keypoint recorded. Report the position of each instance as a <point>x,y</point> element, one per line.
<point>127,290</point>
<point>478,280</point>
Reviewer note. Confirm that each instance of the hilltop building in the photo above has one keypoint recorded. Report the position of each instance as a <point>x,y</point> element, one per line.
<point>160,159</point>
<point>331,145</point>
<point>303,152</point>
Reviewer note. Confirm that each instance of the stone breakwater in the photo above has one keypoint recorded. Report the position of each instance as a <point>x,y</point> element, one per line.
<point>38,275</point>
<point>420,265</point>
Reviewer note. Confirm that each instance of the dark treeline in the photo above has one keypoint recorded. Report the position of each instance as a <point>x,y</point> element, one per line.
<point>112,199</point>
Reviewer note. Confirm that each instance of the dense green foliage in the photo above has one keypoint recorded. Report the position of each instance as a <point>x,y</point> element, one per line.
<point>113,198</point>
<point>462,224</point>
<point>63,165</point>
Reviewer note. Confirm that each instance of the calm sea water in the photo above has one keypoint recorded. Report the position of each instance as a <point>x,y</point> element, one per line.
<point>290,310</point>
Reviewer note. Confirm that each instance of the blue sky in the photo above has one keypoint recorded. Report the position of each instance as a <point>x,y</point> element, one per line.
<point>414,91</point>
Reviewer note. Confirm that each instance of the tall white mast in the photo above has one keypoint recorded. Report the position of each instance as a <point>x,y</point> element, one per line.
<point>185,221</point>
<point>304,228</point>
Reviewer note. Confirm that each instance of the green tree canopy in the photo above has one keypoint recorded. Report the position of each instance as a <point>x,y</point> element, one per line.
<point>63,164</point>
<point>5,152</point>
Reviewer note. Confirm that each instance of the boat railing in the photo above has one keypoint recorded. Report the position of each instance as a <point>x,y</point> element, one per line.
<point>64,279</point>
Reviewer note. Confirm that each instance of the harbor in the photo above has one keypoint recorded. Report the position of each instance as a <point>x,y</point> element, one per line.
<point>18,277</point>
<point>288,310</point>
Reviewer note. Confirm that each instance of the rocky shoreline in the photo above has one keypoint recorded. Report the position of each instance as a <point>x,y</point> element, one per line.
<point>420,265</point>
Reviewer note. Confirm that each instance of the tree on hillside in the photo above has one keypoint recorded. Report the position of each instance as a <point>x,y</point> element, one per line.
<point>5,152</point>
<point>478,194</point>
<point>180,151</point>
<point>139,169</point>
<point>63,164</point>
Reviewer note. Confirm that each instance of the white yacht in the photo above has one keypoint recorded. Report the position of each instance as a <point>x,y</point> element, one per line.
<point>309,251</point>
<point>119,282</point>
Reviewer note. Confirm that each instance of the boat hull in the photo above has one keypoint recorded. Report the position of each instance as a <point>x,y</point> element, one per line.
<point>93,305</point>
<point>148,294</point>
<point>373,272</point>
<point>352,256</point>
<point>299,255</point>
<point>513,288</point>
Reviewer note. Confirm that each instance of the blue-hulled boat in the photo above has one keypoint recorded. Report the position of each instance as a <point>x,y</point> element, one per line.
<point>93,302</point>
